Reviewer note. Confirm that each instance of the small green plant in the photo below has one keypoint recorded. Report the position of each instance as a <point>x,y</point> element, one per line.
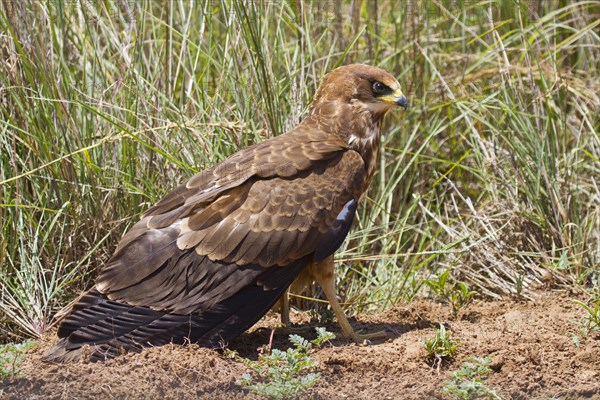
<point>456,294</point>
<point>11,356</point>
<point>468,382</point>
<point>440,346</point>
<point>321,317</point>
<point>283,374</point>
<point>591,323</point>
<point>519,281</point>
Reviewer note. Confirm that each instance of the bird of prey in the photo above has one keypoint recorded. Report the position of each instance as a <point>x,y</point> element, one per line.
<point>214,255</point>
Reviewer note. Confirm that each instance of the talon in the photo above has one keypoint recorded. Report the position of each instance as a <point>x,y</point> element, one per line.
<point>358,337</point>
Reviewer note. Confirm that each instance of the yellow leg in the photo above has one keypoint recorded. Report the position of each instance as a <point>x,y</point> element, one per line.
<point>284,309</point>
<point>323,273</point>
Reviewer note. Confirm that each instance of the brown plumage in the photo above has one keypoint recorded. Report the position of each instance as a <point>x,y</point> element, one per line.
<point>209,259</point>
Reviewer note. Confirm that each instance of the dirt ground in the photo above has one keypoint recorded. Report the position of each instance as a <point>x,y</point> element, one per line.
<point>534,356</point>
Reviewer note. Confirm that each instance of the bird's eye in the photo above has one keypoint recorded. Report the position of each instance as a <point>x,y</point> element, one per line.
<point>379,88</point>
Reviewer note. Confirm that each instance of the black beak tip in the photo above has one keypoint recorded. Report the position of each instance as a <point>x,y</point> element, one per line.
<point>402,102</point>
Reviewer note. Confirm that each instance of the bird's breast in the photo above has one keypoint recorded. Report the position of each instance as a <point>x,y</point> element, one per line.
<point>367,146</point>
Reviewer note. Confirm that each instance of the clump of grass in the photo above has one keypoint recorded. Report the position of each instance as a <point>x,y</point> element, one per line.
<point>284,374</point>
<point>34,285</point>
<point>441,346</point>
<point>469,380</point>
<point>11,355</point>
<point>591,321</point>
<point>457,294</point>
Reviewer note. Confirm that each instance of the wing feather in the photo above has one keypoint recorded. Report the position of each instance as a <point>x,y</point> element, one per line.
<point>284,155</point>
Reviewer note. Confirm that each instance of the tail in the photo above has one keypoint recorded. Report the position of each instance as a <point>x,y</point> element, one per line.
<point>98,328</point>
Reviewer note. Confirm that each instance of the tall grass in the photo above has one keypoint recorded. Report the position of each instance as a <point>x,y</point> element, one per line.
<point>492,171</point>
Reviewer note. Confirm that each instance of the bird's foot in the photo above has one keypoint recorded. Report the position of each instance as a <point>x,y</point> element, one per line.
<point>362,337</point>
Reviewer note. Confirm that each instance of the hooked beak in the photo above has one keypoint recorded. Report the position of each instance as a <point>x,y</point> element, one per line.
<point>396,98</point>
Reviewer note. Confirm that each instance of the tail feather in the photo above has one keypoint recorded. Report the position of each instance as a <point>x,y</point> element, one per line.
<point>99,328</point>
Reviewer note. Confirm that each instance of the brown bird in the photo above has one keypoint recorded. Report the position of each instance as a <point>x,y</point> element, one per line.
<point>214,255</point>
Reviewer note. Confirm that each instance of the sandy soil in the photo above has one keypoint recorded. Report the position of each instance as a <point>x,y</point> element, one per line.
<point>534,357</point>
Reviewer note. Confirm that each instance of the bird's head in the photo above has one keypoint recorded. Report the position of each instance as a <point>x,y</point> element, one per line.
<point>352,101</point>
<point>361,86</point>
